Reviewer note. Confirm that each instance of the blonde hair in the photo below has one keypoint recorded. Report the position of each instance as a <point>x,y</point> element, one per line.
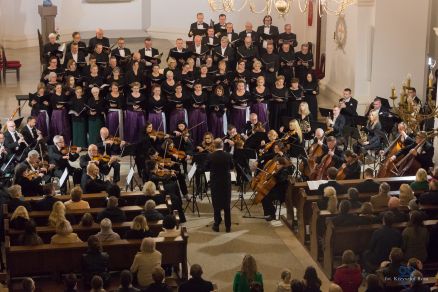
<point>332,203</point>
<point>57,214</point>
<point>375,115</point>
<point>286,275</point>
<point>147,245</point>
<point>256,62</point>
<point>63,228</point>
<point>249,267</point>
<point>140,223</point>
<point>273,133</point>
<point>297,128</point>
<point>149,205</point>
<point>421,175</point>
<point>21,211</point>
<point>406,194</point>
<point>306,110</point>
<point>149,188</point>
<point>15,191</point>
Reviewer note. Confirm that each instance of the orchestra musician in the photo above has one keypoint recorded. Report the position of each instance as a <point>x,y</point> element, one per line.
<point>283,170</point>
<point>332,150</point>
<point>3,151</point>
<point>304,118</point>
<point>14,141</point>
<point>60,155</point>
<point>207,145</point>
<point>30,133</point>
<point>421,150</point>
<point>348,106</point>
<point>337,123</point>
<point>351,168</point>
<point>373,139</point>
<point>90,181</point>
<point>230,139</point>
<point>29,175</point>
<point>103,161</point>
<point>405,139</point>
<point>376,105</point>
<point>177,157</point>
<point>267,147</point>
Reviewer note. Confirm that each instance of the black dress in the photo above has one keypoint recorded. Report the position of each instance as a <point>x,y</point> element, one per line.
<point>277,106</point>
<point>296,96</point>
<point>310,97</point>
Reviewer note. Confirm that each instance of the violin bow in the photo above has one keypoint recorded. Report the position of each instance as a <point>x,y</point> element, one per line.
<point>197,125</point>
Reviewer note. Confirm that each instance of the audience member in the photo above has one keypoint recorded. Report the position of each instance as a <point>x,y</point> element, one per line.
<point>311,281</point>
<point>416,283</point>
<point>406,194</point>
<point>97,284</point>
<point>106,232</point>
<point>394,207</point>
<point>380,200</point>
<point>17,199</point>
<point>151,193</point>
<point>284,284</point>
<point>196,283</point>
<point>87,220</point>
<point>335,288</point>
<point>366,215</point>
<point>71,283</point>
<point>76,201</point>
<point>145,261</point>
<point>113,190</point>
<point>415,238</point>
<point>139,228</point>
<point>247,274</point>
<point>349,274</point>
<point>373,284</point>
<point>170,228</point>
<point>64,234</point>
<point>19,218</point>
<point>158,285</point>
<point>112,212</point>
<point>344,217</point>
<point>57,215</point>
<point>95,262</point>
<point>28,285</point>
<point>46,203</point>
<point>151,213</point>
<point>296,286</point>
<point>329,201</point>
<point>332,172</point>
<point>369,185</point>
<point>29,235</point>
<point>353,196</point>
<point>420,183</point>
<point>391,270</point>
<point>126,282</point>
<point>430,197</point>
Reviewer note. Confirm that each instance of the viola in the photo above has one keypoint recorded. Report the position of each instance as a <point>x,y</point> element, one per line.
<point>164,172</point>
<point>158,134</point>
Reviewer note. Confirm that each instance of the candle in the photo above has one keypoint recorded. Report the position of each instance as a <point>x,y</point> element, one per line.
<point>408,80</point>
<point>393,93</point>
<point>430,79</point>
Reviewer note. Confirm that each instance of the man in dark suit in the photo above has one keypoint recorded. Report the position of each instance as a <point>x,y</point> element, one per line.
<point>61,161</point>
<point>368,185</point>
<point>98,39</point>
<point>220,164</point>
<point>210,38</point>
<point>423,153</point>
<point>82,46</point>
<point>179,48</point>
<point>288,37</point>
<point>430,197</point>
<point>148,51</point>
<point>267,32</point>
<point>90,183</point>
<point>248,52</point>
<point>224,52</point>
<point>120,50</point>
<point>198,49</point>
<point>331,173</point>
<point>331,148</point>
<point>14,143</point>
<point>30,133</point>
<point>348,107</point>
<point>248,32</point>
<point>199,27</point>
<point>220,27</point>
<point>75,54</point>
<point>337,122</point>
<point>378,106</point>
<point>232,36</point>
<point>196,283</point>
<point>104,167</point>
<point>46,203</point>
<point>345,218</point>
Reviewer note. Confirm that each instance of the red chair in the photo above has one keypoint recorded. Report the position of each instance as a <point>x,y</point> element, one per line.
<point>9,66</point>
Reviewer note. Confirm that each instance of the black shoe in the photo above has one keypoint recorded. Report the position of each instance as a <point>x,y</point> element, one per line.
<point>270,218</point>
<point>215,228</point>
<point>228,230</point>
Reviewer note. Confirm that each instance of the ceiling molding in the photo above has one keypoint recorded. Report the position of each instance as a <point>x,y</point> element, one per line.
<point>366,3</point>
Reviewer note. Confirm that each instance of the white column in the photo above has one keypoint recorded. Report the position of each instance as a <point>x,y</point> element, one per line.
<point>435,126</point>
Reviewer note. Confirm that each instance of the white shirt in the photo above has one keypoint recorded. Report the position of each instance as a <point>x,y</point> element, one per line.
<point>122,52</point>
<point>230,36</point>
<point>200,26</point>
<point>13,136</point>
<point>30,130</point>
<point>210,40</point>
<point>248,34</point>
<point>198,51</point>
<point>266,31</point>
<point>223,51</point>
<point>148,52</point>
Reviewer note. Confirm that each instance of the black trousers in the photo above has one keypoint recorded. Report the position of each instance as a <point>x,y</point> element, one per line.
<point>116,167</point>
<point>218,216</point>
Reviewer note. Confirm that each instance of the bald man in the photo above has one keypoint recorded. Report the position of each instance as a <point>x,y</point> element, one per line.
<point>104,167</point>
<point>14,142</point>
<point>248,32</point>
<point>98,39</point>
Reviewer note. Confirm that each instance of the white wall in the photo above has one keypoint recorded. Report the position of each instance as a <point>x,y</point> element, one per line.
<point>400,45</point>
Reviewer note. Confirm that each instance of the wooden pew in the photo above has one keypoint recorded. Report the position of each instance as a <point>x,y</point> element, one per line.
<point>46,232</point>
<point>356,238</point>
<point>41,217</point>
<point>294,196</point>
<point>51,259</point>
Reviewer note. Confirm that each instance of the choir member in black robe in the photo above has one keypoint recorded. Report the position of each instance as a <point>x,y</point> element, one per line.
<point>197,114</point>
<point>296,95</point>
<point>173,66</point>
<point>168,85</point>
<point>39,101</point>
<point>155,77</point>
<point>53,66</point>
<point>93,79</point>
<point>199,27</point>
<point>260,96</point>
<point>204,79</point>
<point>135,75</point>
<point>223,77</point>
<point>198,50</point>
<point>101,57</point>
<point>304,61</point>
<point>78,114</point>
<point>134,116</point>
<point>277,104</point>
<point>255,73</point>
<point>179,53</point>
<point>221,26</point>
<point>240,109</point>
<point>247,52</point>
<point>270,61</point>
<point>149,51</point>
<point>115,103</point>
<point>267,32</point>
<point>288,37</point>
<point>240,74</point>
<point>51,49</point>
<point>60,123</point>
<point>76,38</point>
<point>217,108</point>
<point>210,39</point>
<point>287,62</point>
<point>177,107</point>
<point>98,39</point>
<point>311,90</point>
<point>156,110</point>
<point>96,110</point>
<point>122,52</point>
<point>230,34</point>
<point>248,32</point>
<point>225,52</point>
<point>108,70</point>
<point>74,54</point>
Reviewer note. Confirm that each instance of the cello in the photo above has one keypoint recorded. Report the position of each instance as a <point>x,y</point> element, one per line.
<point>263,183</point>
<point>408,165</point>
<point>387,165</point>
<point>320,171</point>
<point>307,167</point>
<point>342,171</point>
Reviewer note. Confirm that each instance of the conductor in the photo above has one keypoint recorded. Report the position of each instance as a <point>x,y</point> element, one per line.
<point>220,163</point>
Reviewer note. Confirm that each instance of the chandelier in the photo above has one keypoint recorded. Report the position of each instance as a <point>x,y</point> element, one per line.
<point>333,7</point>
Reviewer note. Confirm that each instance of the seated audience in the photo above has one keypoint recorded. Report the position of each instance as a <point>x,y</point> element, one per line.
<point>126,282</point>
<point>29,235</point>
<point>394,207</point>
<point>94,261</point>
<point>329,201</point>
<point>312,283</point>
<point>296,286</point>
<point>170,228</point>
<point>391,270</point>
<point>145,261</point>
<point>71,283</point>
<point>380,201</point>
<point>151,213</point>
<point>366,215</point>
<point>369,185</point>
<point>106,232</point>
<point>430,197</point>
<point>406,194</point>
<point>433,243</point>
<point>113,190</point>
<point>97,284</point>
<point>285,282</point>
<point>17,199</point>
<point>46,203</point>
<point>76,201</point>
<point>196,283</point>
<point>87,220</point>
<point>416,283</point>
<point>348,275</point>
<point>381,243</point>
<point>151,193</point>
<point>28,285</point>
<point>373,284</point>
<point>332,172</point>
<point>158,285</point>
<point>139,228</point>
<point>19,218</point>
<point>112,211</point>
<point>247,274</point>
<point>415,238</point>
<point>353,196</point>
<point>64,234</point>
<point>57,215</point>
<point>344,217</point>
<point>420,183</point>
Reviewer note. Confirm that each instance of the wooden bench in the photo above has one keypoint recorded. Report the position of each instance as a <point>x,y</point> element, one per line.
<point>51,259</point>
<point>46,232</point>
<point>338,239</point>
<point>41,217</point>
<point>97,200</point>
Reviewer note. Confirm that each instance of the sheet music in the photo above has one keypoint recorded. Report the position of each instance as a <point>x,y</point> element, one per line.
<point>64,176</point>
<point>192,172</point>
<point>232,173</point>
<point>130,175</point>
<point>314,184</point>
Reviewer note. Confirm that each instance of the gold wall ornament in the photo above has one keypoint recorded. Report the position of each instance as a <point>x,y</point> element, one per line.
<point>282,7</point>
<point>341,32</point>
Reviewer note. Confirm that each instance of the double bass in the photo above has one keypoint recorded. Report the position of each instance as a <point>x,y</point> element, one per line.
<point>320,171</point>
<point>341,172</point>
<point>387,165</point>
<point>306,167</point>
<point>408,165</point>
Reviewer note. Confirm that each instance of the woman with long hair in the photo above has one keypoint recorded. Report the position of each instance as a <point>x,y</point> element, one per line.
<point>373,140</point>
<point>311,90</point>
<point>39,101</point>
<point>259,97</point>
<point>311,281</point>
<point>156,107</point>
<point>57,214</point>
<point>247,275</point>
<point>134,115</point>
<point>217,119</point>
<point>304,118</point>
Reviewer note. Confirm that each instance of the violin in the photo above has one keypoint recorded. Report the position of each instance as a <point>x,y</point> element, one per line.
<point>181,154</point>
<point>114,140</point>
<point>164,162</point>
<point>69,150</point>
<point>101,158</point>
<point>164,172</point>
<point>267,147</point>
<point>31,175</point>
<point>158,134</point>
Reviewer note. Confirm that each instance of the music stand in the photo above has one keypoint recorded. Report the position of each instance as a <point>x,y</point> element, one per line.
<point>350,133</point>
<point>387,123</point>
<point>325,112</point>
<point>245,177</point>
<point>315,125</point>
<point>129,150</point>
<point>197,186</point>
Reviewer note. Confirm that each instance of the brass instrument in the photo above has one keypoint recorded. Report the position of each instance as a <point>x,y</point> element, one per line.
<point>363,136</point>
<point>305,126</point>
